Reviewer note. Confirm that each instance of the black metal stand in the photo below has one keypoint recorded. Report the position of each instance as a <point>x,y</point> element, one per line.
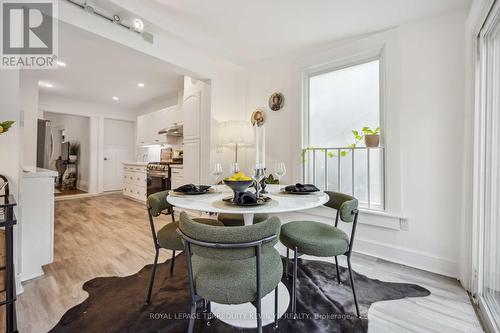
<point>7,221</point>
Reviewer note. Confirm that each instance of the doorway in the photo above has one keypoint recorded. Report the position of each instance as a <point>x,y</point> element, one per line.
<point>118,148</point>
<point>70,156</point>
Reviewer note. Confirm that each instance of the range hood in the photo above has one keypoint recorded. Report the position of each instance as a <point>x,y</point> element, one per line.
<point>173,130</point>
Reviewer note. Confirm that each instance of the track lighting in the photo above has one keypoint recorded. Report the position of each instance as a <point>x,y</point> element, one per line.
<point>138,25</point>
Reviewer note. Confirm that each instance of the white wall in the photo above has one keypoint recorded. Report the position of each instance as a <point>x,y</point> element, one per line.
<point>156,104</point>
<point>424,75</point>
<point>76,129</point>
<point>57,104</point>
<point>29,105</point>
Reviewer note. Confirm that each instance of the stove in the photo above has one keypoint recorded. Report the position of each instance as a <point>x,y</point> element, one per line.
<point>158,177</point>
<point>158,166</point>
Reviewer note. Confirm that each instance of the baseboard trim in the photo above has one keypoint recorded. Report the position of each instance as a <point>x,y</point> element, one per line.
<point>407,257</point>
<point>83,185</point>
<point>19,285</point>
<point>31,276</point>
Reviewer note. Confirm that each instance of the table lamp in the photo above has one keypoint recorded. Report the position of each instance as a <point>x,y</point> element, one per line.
<point>237,133</point>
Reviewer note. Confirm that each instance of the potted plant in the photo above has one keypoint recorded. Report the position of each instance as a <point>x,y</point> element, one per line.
<point>4,126</point>
<point>372,137</point>
<point>74,151</point>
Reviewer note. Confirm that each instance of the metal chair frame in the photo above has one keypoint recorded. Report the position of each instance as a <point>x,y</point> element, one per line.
<point>258,249</point>
<point>157,253</point>
<point>347,254</point>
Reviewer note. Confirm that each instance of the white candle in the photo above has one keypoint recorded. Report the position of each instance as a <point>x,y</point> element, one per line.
<point>256,144</point>
<point>263,146</point>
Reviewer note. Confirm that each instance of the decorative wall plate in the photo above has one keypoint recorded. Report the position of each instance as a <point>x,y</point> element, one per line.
<point>258,118</point>
<point>276,101</point>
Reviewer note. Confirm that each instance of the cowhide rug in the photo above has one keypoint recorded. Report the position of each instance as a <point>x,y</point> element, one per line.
<point>117,304</point>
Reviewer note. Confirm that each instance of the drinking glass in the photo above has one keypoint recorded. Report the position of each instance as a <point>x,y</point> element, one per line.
<point>234,168</point>
<point>217,172</point>
<point>279,170</point>
<point>258,173</point>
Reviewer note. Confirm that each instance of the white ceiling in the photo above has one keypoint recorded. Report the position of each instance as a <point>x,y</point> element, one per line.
<point>98,69</point>
<point>249,31</point>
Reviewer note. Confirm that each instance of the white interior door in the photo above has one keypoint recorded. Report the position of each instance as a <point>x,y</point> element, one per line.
<point>118,148</point>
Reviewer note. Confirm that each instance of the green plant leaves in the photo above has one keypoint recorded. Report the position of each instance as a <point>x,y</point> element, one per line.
<point>5,125</point>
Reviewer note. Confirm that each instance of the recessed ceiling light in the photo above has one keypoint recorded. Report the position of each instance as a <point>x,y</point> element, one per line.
<point>45,84</point>
<point>61,63</point>
<point>138,25</point>
<point>115,98</point>
<point>140,84</point>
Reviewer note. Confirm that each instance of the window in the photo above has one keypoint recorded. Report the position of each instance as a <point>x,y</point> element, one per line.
<point>488,181</point>
<point>339,101</point>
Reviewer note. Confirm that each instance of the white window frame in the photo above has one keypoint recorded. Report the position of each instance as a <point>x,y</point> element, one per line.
<point>341,63</point>
<point>335,65</point>
<point>485,157</point>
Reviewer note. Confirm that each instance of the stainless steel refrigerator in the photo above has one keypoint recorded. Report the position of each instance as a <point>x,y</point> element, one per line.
<point>44,144</point>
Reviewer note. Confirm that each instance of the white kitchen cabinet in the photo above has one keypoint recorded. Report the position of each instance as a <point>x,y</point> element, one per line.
<point>191,110</point>
<point>36,210</point>
<point>141,130</point>
<point>135,181</point>
<point>159,121</point>
<point>148,125</point>
<point>176,115</point>
<point>196,120</point>
<point>192,161</point>
<point>177,174</point>
<point>145,134</point>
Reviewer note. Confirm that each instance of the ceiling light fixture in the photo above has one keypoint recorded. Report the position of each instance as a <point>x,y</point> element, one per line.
<point>61,64</point>
<point>135,26</point>
<point>115,98</point>
<point>140,84</point>
<point>138,25</point>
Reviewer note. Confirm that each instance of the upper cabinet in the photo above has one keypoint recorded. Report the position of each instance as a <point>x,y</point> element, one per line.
<point>191,110</point>
<point>148,125</point>
<point>196,113</point>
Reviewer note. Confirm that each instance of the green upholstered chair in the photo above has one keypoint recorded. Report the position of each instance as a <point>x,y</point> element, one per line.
<point>322,240</point>
<point>236,220</point>
<point>232,265</point>
<point>166,237</point>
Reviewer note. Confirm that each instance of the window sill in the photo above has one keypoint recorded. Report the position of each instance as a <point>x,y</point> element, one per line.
<point>386,220</point>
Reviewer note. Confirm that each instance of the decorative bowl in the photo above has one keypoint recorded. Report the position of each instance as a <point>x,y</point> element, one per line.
<point>238,185</point>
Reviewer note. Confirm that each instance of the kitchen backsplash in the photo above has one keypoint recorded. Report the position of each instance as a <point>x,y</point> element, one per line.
<point>152,153</point>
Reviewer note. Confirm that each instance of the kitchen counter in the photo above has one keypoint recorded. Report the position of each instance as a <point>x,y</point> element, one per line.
<point>136,163</point>
<point>37,213</point>
<point>31,172</point>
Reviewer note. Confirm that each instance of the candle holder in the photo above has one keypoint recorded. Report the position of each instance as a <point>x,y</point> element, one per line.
<point>258,174</point>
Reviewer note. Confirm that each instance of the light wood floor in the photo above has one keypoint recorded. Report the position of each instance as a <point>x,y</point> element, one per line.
<point>109,236</point>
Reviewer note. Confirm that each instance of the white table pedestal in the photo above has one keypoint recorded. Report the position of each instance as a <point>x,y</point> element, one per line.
<point>248,218</point>
<point>245,316</point>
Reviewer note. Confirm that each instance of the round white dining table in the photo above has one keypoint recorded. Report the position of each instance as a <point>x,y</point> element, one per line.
<point>243,315</point>
<point>280,202</point>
